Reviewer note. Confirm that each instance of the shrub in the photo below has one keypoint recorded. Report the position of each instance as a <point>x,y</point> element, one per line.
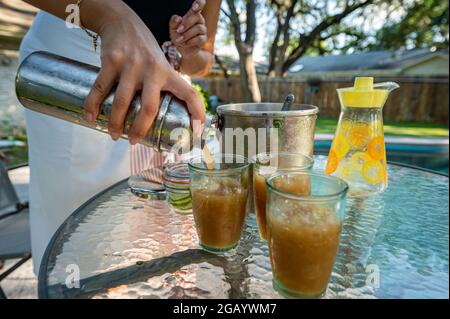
<point>205,97</point>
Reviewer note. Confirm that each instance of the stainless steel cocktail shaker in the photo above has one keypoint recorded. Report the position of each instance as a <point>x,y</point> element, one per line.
<point>57,86</point>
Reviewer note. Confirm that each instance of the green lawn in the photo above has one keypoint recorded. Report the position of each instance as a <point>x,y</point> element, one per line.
<point>328,126</point>
<point>14,156</point>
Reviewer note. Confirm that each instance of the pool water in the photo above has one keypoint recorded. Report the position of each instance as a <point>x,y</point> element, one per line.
<point>434,161</point>
<point>437,160</point>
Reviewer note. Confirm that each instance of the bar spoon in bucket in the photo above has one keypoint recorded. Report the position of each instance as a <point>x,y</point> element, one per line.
<point>290,99</point>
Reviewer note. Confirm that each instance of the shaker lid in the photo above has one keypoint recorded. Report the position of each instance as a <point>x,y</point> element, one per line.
<point>363,94</point>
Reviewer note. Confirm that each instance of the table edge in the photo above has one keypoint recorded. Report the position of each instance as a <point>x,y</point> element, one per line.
<point>42,282</point>
<point>428,170</point>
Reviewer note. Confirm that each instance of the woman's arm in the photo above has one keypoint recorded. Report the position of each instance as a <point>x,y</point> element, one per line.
<point>95,13</point>
<point>131,56</point>
<point>199,38</point>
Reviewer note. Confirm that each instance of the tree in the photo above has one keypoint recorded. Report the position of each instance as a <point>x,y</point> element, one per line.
<point>245,42</point>
<point>295,28</point>
<point>425,24</point>
<point>318,21</point>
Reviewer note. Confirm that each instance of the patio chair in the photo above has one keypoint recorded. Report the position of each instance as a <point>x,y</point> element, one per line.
<point>14,225</point>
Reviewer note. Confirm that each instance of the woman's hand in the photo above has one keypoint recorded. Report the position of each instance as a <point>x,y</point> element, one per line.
<point>189,33</point>
<point>131,56</point>
<point>194,35</point>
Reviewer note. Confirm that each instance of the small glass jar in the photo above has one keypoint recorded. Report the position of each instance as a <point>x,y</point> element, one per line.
<point>177,184</point>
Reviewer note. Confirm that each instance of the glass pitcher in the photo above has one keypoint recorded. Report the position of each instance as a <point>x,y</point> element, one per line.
<point>358,153</point>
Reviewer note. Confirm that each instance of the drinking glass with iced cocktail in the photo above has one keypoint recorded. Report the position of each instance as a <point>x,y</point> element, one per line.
<point>266,164</point>
<point>304,231</point>
<point>219,200</point>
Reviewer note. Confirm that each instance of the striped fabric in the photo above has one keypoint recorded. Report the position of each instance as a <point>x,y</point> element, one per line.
<point>143,159</point>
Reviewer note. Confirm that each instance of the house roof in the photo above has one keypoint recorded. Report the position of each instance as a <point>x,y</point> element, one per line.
<point>381,61</point>
<point>374,60</point>
<point>232,64</point>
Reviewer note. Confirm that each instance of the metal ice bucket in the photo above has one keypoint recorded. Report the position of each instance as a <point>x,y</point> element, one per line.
<point>295,130</point>
<point>295,127</point>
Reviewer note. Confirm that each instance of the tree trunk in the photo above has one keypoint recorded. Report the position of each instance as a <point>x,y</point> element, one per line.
<point>273,52</point>
<point>249,79</point>
<point>285,12</point>
<point>279,70</point>
<point>222,66</point>
<point>292,59</point>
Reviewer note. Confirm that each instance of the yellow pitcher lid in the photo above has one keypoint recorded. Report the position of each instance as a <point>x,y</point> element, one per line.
<point>363,94</point>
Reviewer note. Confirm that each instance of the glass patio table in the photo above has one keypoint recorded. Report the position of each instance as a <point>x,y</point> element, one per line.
<point>393,245</point>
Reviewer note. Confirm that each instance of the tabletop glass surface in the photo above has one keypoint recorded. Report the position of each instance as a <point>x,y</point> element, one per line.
<point>393,245</point>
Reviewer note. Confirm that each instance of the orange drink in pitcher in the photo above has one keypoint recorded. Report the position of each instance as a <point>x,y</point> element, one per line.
<point>358,153</point>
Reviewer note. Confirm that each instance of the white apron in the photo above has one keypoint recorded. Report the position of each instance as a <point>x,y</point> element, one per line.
<point>69,163</point>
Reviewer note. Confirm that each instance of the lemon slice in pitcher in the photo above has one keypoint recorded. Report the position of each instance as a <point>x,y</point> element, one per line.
<point>340,146</point>
<point>373,172</point>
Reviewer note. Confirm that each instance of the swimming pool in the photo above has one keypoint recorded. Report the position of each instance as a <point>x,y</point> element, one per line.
<point>433,156</point>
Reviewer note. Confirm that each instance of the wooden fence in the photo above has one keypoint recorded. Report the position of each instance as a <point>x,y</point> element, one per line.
<point>417,100</point>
